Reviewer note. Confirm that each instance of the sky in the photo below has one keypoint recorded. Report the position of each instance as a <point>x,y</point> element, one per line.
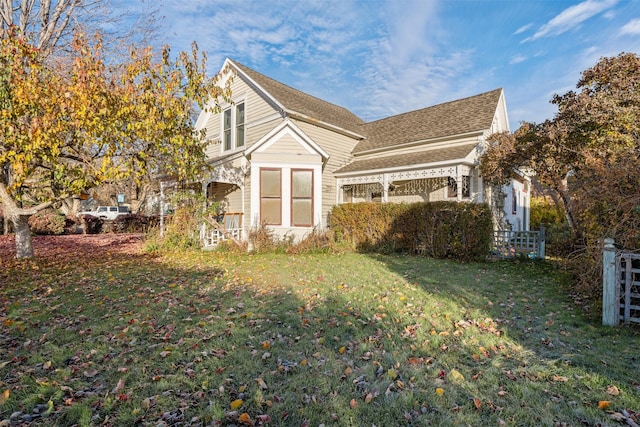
<point>379,58</point>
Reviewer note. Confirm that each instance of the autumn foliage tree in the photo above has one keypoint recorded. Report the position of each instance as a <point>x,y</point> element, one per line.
<point>67,127</point>
<point>589,154</point>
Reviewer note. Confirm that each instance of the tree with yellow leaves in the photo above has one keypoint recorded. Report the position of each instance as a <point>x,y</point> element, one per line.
<point>67,127</point>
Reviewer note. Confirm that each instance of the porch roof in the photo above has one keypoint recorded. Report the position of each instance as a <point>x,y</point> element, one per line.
<point>445,154</point>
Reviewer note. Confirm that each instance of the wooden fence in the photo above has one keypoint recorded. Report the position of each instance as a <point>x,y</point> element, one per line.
<point>620,286</point>
<point>514,244</point>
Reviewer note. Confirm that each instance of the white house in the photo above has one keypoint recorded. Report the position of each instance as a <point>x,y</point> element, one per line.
<point>284,158</point>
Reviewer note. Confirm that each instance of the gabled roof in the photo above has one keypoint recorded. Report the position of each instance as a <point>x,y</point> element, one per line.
<point>297,102</point>
<point>463,116</point>
<point>425,157</point>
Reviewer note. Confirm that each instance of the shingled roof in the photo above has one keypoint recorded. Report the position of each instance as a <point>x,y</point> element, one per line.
<point>415,158</point>
<point>299,102</point>
<point>458,117</point>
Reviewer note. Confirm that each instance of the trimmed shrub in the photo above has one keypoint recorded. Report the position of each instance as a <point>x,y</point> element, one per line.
<point>134,223</point>
<point>47,223</point>
<point>91,224</point>
<point>436,229</point>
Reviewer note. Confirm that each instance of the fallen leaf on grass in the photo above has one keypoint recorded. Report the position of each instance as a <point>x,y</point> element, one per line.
<point>439,391</point>
<point>236,404</point>
<point>245,419</point>
<point>456,376</point>
<point>353,403</point>
<point>4,396</point>
<point>261,384</point>
<point>477,402</point>
<point>368,398</point>
<point>559,378</point>
<point>613,390</point>
<point>91,373</point>
<point>603,404</point>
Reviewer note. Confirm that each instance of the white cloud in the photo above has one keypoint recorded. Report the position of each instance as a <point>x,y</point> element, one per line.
<point>631,27</point>
<point>523,29</point>
<point>572,17</point>
<point>517,59</point>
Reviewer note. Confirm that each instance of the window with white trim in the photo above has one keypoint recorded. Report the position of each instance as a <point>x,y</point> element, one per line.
<point>233,135</point>
<point>271,196</point>
<point>302,197</point>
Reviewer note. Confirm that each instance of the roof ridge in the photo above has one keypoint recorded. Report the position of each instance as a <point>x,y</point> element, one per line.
<point>245,68</point>
<point>442,104</point>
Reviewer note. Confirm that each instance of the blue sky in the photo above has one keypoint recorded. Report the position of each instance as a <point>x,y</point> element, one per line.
<point>378,58</point>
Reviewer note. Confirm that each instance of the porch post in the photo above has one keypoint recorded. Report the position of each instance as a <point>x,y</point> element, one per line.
<point>459,183</point>
<point>609,285</point>
<point>385,188</point>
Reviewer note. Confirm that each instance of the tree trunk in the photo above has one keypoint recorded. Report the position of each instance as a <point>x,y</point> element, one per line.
<point>24,244</point>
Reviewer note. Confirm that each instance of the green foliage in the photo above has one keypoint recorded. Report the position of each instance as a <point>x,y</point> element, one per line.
<point>182,228</point>
<point>544,211</point>
<point>47,222</point>
<point>436,229</point>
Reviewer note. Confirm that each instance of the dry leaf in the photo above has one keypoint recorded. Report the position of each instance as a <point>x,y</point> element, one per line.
<point>603,404</point>
<point>439,391</point>
<point>342,350</point>
<point>456,376</point>
<point>262,384</point>
<point>91,373</point>
<point>353,404</point>
<point>477,402</point>
<point>561,379</point>
<point>368,398</point>
<point>613,390</point>
<point>236,404</point>
<point>244,418</point>
<point>4,396</point>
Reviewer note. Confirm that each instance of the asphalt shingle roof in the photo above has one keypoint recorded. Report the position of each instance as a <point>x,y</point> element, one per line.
<point>409,159</point>
<point>303,103</point>
<point>470,114</point>
<point>462,116</point>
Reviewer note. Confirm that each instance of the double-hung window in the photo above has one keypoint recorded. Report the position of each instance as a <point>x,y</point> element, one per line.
<point>302,197</point>
<point>233,119</point>
<point>271,196</point>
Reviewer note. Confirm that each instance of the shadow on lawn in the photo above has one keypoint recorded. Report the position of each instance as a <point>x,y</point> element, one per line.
<point>123,339</point>
<point>530,304</point>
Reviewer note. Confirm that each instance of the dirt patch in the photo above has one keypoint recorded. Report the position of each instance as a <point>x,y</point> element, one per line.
<point>74,245</point>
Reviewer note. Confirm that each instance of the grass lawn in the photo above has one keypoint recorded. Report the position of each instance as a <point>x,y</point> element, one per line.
<point>97,333</point>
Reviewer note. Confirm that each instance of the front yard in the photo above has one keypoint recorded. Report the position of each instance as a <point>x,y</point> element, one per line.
<point>102,333</point>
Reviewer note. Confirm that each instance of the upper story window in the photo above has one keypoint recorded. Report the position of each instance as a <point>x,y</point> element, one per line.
<point>233,135</point>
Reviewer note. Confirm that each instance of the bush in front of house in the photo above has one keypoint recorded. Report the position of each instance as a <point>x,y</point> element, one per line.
<point>91,224</point>
<point>47,222</point>
<point>135,223</point>
<point>436,229</point>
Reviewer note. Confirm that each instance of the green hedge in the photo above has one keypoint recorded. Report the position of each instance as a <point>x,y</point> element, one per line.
<point>437,229</point>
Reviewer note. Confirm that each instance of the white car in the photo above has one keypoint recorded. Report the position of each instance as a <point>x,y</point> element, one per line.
<point>108,212</point>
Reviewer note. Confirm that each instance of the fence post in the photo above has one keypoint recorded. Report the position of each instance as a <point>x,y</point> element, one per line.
<point>609,301</point>
<point>541,242</point>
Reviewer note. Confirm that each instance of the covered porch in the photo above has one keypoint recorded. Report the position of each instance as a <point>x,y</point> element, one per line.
<point>454,183</point>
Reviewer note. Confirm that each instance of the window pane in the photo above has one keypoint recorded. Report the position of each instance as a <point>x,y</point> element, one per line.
<point>226,125</point>
<point>269,183</point>
<point>270,211</point>
<point>301,212</point>
<point>240,136</point>
<point>239,114</point>
<point>302,183</point>
<point>239,125</point>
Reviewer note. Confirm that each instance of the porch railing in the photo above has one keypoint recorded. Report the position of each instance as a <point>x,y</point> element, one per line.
<point>226,227</point>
